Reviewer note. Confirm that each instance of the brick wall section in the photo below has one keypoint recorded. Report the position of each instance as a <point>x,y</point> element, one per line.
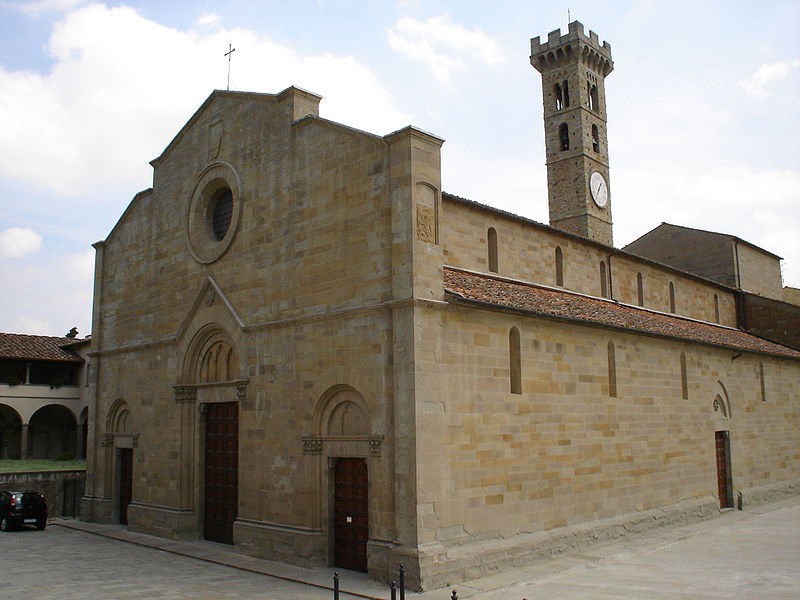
<point>759,273</point>
<point>691,250</point>
<point>772,319</point>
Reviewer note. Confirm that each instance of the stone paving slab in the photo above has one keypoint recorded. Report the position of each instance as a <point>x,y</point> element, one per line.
<point>748,555</point>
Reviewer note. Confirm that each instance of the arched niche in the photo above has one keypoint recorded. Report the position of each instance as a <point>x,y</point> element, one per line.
<point>211,357</point>
<point>341,414</point>
<point>119,428</point>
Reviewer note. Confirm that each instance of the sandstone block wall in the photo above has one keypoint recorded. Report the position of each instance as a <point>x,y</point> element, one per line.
<point>528,253</point>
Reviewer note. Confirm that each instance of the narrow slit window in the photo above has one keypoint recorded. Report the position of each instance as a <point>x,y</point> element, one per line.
<point>640,289</point>
<point>595,139</point>
<point>559,267</point>
<point>565,89</point>
<point>612,370</point>
<point>671,297</point>
<point>603,280</point>
<point>763,384</point>
<point>716,308</point>
<point>515,361</point>
<point>684,378</point>
<point>563,136</point>
<point>491,239</point>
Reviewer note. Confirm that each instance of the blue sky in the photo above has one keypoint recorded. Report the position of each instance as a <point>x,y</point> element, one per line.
<point>704,111</point>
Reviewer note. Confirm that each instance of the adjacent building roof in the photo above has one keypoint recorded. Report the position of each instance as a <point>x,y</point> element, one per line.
<point>38,347</point>
<point>487,290</point>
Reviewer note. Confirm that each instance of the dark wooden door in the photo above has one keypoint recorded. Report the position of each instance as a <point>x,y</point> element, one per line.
<point>221,471</point>
<point>723,468</point>
<point>351,525</point>
<point>125,483</point>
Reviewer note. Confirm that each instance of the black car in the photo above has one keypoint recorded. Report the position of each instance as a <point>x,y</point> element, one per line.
<point>22,508</point>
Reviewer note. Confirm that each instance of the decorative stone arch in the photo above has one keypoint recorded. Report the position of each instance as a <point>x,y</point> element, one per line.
<point>117,418</point>
<point>342,438</point>
<point>721,405</point>
<point>211,357</point>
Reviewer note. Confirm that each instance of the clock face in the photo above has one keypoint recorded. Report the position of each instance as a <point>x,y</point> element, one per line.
<point>599,189</point>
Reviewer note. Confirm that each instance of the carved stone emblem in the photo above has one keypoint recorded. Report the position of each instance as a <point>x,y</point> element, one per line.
<point>426,224</point>
<point>312,445</point>
<point>185,394</point>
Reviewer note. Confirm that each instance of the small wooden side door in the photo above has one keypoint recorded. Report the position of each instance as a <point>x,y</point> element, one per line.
<point>125,483</point>
<point>723,469</point>
<point>351,523</point>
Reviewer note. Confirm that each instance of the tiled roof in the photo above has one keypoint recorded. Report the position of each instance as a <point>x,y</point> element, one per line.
<point>37,347</point>
<point>558,304</point>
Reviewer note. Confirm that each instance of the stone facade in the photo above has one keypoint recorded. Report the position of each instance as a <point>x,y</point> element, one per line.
<point>294,268</point>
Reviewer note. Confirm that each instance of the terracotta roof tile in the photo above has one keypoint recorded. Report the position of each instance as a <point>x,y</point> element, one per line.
<point>481,288</point>
<point>37,347</point>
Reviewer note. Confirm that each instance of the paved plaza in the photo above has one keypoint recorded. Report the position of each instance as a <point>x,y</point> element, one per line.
<point>753,554</point>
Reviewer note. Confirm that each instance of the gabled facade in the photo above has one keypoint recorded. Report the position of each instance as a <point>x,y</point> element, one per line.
<point>305,349</point>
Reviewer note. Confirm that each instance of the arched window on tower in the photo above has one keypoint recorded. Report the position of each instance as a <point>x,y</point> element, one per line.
<point>559,267</point>
<point>563,136</point>
<point>593,103</point>
<point>595,138</point>
<point>559,96</point>
<point>514,361</point>
<point>565,91</point>
<point>491,240</point>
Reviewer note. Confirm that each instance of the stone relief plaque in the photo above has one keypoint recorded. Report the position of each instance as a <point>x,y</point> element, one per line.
<point>426,224</point>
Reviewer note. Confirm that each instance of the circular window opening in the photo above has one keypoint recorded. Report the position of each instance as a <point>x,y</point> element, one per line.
<point>220,213</point>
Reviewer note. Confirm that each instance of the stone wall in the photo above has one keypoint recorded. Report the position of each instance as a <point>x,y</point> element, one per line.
<point>61,489</point>
<point>527,252</point>
<point>499,469</point>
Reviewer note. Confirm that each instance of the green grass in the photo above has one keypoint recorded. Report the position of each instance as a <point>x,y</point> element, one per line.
<point>22,466</point>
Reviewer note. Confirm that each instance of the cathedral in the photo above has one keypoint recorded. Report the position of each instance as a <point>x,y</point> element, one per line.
<point>302,346</point>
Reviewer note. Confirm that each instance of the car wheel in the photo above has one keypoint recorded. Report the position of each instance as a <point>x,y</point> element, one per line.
<point>4,524</point>
<point>41,525</point>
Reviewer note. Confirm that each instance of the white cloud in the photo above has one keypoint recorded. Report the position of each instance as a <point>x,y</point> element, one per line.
<point>208,18</point>
<point>760,84</point>
<point>16,242</point>
<point>39,7</point>
<point>111,103</point>
<point>442,44</point>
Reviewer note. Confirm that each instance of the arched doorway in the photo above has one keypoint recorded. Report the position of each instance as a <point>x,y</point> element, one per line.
<point>51,432</point>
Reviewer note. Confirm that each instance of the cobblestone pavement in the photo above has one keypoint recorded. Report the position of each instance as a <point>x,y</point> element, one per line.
<point>754,554</point>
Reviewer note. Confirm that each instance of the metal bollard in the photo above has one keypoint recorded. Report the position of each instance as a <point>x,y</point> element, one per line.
<point>393,589</point>
<point>402,582</point>
<point>335,585</point>
<point>454,596</point>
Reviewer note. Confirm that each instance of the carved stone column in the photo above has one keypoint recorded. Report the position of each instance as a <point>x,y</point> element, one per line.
<point>186,400</point>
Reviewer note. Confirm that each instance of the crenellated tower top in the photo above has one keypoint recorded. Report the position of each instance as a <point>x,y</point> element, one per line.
<point>560,49</point>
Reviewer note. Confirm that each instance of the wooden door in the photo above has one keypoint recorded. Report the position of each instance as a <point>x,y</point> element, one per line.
<point>221,471</point>
<point>723,469</point>
<point>351,525</point>
<point>125,483</point>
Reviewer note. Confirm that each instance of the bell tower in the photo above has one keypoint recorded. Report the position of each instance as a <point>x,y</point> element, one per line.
<point>573,68</point>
